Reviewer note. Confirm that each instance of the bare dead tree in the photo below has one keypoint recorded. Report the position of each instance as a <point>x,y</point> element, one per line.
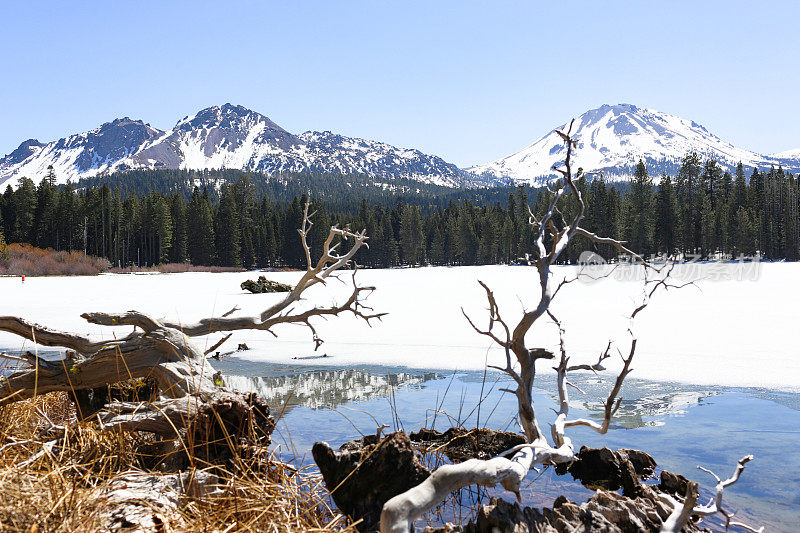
<point>509,469</point>
<point>164,350</point>
<point>683,511</point>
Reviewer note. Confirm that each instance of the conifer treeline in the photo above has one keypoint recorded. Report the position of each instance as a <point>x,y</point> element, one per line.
<point>703,211</point>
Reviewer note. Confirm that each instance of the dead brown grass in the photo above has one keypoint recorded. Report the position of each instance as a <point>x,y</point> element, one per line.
<point>174,268</point>
<point>62,488</point>
<point>25,260</point>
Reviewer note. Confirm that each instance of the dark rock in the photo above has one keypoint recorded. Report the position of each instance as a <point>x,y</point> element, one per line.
<point>499,515</point>
<point>611,470</point>
<point>604,512</point>
<point>365,474</point>
<point>263,285</point>
<point>643,463</point>
<point>460,444</point>
<point>673,483</point>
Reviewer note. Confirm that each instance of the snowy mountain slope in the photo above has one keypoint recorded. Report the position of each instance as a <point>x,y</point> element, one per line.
<point>326,150</point>
<point>613,138</point>
<point>790,156</point>
<point>82,154</point>
<point>226,136</point>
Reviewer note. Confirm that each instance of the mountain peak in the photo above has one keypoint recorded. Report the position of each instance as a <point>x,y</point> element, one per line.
<point>122,123</point>
<point>229,117</point>
<point>612,138</point>
<point>23,151</point>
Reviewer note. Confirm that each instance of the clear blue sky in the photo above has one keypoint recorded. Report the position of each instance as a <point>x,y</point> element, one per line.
<point>470,81</point>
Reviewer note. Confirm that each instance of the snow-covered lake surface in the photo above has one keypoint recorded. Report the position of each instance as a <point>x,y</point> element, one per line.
<point>717,370</point>
<point>729,332</point>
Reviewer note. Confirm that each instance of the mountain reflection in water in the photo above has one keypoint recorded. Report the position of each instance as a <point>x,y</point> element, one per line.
<point>325,388</point>
<point>644,404</point>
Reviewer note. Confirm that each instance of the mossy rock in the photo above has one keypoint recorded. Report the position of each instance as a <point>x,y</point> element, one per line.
<point>262,285</point>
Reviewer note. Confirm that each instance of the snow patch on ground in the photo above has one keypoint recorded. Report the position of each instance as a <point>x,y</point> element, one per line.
<point>733,333</point>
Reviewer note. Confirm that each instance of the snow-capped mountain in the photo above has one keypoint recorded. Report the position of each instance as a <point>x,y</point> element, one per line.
<point>612,139</point>
<point>226,136</point>
<point>82,154</point>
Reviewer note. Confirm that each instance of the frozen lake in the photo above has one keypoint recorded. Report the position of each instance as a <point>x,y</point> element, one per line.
<point>721,332</point>
<point>716,375</point>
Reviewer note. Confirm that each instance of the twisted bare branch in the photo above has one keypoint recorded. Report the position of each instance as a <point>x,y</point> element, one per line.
<point>281,313</point>
<point>683,511</point>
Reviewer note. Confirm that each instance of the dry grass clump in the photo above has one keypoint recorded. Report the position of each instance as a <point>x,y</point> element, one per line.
<point>59,474</point>
<point>283,502</point>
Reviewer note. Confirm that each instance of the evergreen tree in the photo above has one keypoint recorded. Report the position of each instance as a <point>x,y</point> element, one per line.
<point>243,193</point>
<point>50,177</point>
<point>179,251</point>
<point>744,238</point>
<point>739,188</point>
<point>411,238</point>
<point>228,229</point>
<point>666,217</point>
<point>711,181</point>
<point>687,187</point>
<point>320,228</point>
<point>391,255</point>
<point>162,222</point>
<point>44,218</point>
<point>3,247</point>
<point>291,251</point>
<point>638,207</point>
<point>709,228</point>
<point>23,209</point>
<point>201,242</point>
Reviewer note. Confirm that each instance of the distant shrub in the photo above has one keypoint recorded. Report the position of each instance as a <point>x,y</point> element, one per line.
<point>27,260</point>
<point>173,268</point>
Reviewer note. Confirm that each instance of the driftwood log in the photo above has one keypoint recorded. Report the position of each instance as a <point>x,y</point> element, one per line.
<point>138,501</point>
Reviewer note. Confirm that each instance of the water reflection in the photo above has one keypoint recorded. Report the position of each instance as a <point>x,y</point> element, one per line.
<point>642,404</point>
<point>13,361</point>
<point>326,388</point>
<point>681,426</point>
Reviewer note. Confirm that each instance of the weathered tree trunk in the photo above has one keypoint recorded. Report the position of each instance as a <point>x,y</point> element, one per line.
<point>136,501</point>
